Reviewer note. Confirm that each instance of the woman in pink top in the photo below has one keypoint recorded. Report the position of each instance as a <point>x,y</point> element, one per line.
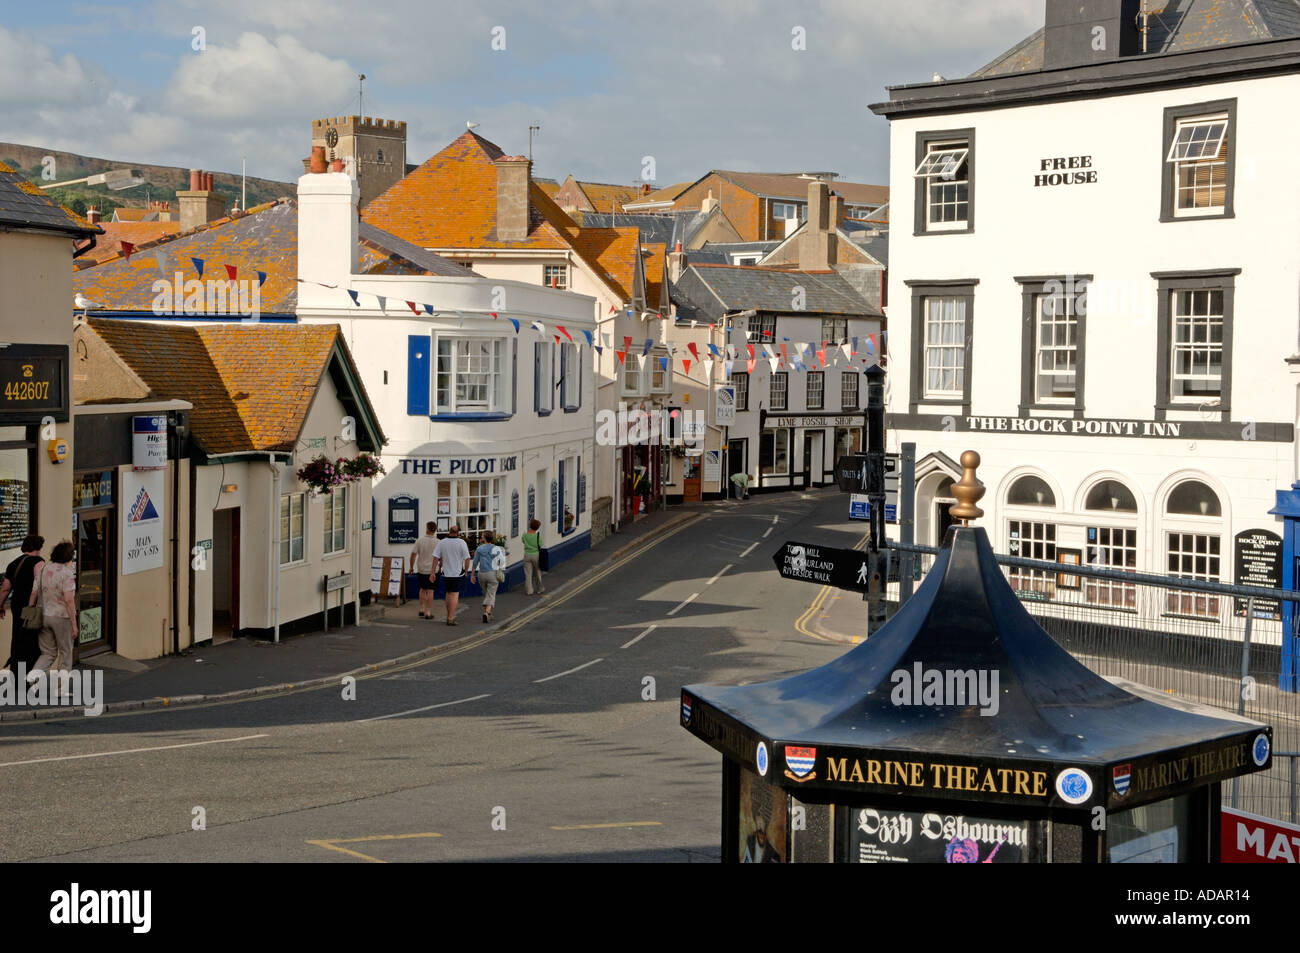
<point>56,587</point>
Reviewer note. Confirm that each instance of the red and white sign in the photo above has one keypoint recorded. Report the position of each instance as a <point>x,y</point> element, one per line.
<point>1251,839</point>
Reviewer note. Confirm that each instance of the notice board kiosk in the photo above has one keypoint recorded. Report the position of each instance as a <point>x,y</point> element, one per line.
<point>961,732</point>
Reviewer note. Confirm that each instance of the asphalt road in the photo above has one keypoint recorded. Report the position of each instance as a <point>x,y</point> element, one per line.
<point>541,742</point>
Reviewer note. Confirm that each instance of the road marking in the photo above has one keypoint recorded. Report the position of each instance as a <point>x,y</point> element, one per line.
<point>388,625</point>
<point>628,645</point>
<point>750,550</point>
<point>601,827</point>
<point>768,532</point>
<point>684,603</point>
<point>399,714</point>
<point>719,573</point>
<point>109,754</point>
<point>801,624</point>
<point>569,672</point>
<point>775,519</point>
<point>332,844</point>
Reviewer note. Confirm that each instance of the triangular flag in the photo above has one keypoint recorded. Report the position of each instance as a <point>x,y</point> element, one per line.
<point>428,309</point>
<point>871,344</point>
<point>607,338</point>
<point>591,342</point>
<point>694,353</point>
<point>557,339</point>
<point>622,356</point>
<point>127,249</point>
<point>855,345</point>
<point>560,328</point>
<point>686,366</point>
<point>694,322</point>
<point>612,309</point>
<point>726,368</point>
<point>198,265</point>
<point>672,347</point>
<point>414,310</point>
<point>821,356</point>
<point>785,356</point>
<point>382,301</point>
<point>627,342</point>
<point>708,369</point>
<point>713,349</point>
<point>261,278</point>
<point>773,362</point>
<point>515,323</point>
<point>749,365</point>
<point>538,327</point>
<point>845,349</point>
<point>356,298</point>
<point>663,363</point>
<point>233,272</point>
<point>161,258</point>
<point>649,343</point>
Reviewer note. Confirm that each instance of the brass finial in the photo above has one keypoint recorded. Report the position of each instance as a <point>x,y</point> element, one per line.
<point>968,490</point>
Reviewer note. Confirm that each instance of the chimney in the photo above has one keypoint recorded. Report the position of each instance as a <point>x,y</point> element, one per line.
<point>92,215</point>
<point>837,211</point>
<point>676,263</point>
<point>1081,32</point>
<point>817,245</point>
<point>327,234</point>
<point>645,188</point>
<point>201,203</point>
<point>709,203</point>
<point>513,175</point>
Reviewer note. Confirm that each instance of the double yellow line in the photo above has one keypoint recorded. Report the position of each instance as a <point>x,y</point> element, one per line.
<point>801,623</point>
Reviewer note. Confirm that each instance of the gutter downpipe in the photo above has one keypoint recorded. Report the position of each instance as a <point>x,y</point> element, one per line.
<point>275,544</point>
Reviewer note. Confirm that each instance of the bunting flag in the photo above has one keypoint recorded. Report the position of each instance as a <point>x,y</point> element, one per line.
<point>515,323</point>
<point>773,362</point>
<point>127,249</point>
<point>694,322</point>
<point>649,343</point>
<point>663,363</point>
<point>598,349</point>
<point>708,369</point>
<point>414,310</point>
<point>609,341</point>
<point>627,342</point>
<point>428,309</point>
<point>686,366</point>
<point>821,356</point>
<point>622,357</point>
<point>713,349</point>
<point>261,278</point>
<point>557,339</point>
<point>591,342</point>
<point>784,354</point>
<point>198,265</point>
<point>233,272</point>
<point>382,301</point>
<point>855,345</point>
<point>694,353</point>
<point>538,327</point>
<point>672,348</point>
<point>749,365</point>
<point>726,368</point>
<point>845,349</point>
<point>612,309</point>
<point>356,298</point>
<point>871,344</point>
<point>161,258</point>
<point>560,328</point>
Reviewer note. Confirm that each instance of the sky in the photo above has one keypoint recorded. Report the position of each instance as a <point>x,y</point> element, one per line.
<point>693,84</point>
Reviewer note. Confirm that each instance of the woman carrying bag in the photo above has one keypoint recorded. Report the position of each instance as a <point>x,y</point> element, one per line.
<point>20,579</point>
<point>533,558</point>
<point>55,594</point>
<point>488,572</point>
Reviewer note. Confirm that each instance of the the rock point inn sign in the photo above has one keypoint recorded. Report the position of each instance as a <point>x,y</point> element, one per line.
<point>1099,427</point>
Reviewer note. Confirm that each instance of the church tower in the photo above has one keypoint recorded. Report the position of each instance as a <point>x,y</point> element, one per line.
<point>373,150</point>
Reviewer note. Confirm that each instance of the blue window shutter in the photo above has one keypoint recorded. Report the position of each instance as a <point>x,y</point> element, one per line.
<point>580,375</point>
<point>537,378</point>
<point>417,373</point>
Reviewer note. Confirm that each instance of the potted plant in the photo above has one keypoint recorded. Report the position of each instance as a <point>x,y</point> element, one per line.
<point>321,475</point>
<point>364,466</point>
<point>569,520</point>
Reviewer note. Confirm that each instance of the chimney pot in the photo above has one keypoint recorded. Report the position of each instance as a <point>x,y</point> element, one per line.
<point>317,159</point>
<point>196,180</point>
<point>92,215</point>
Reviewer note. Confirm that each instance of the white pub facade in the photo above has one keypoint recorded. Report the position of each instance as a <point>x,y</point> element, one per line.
<point>1095,283</point>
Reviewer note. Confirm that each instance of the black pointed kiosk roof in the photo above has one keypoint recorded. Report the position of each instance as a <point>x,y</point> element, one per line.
<point>1058,736</point>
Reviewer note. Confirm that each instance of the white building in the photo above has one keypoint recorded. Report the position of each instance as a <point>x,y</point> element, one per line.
<point>490,422</point>
<point>1107,313</point>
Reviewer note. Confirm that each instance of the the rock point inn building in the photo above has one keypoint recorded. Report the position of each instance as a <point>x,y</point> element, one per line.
<point>1094,281</point>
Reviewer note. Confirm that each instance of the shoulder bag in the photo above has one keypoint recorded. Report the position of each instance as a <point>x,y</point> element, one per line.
<point>33,616</point>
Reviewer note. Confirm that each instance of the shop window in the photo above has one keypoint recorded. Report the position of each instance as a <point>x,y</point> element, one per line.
<point>1192,556</point>
<point>475,505</point>
<point>774,453</point>
<point>1111,547</point>
<point>336,521</point>
<point>292,506</point>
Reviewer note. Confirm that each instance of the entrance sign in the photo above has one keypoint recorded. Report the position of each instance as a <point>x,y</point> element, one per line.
<point>142,520</point>
<point>1257,561</point>
<point>149,442</point>
<point>808,562</point>
<point>1251,839</point>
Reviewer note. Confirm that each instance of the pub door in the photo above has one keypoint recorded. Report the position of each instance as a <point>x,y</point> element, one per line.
<point>225,574</point>
<point>691,482</point>
<point>95,572</point>
<point>737,462</point>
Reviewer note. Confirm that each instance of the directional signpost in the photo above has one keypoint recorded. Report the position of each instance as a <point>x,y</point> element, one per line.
<point>823,565</point>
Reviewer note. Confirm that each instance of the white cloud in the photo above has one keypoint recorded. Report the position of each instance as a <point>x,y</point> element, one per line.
<point>31,72</point>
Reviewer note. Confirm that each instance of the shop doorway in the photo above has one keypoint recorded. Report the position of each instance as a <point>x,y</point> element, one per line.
<point>737,462</point>
<point>812,458</point>
<point>691,482</point>
<point>225,574</point>
<point>95,568</point>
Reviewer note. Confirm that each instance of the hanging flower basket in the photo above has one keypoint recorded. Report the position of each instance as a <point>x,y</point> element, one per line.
<point>365,466</point>
<point>321,475</point>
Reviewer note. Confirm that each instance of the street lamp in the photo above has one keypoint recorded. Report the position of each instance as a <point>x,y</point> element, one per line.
<point>115,179</point>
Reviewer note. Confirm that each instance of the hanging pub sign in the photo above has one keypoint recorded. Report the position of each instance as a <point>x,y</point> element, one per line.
<point>403,519</point>
<point>33,383</point>
<point>149,442</point>
<point>938,837</point>
<point>1257,561</point>
<point>724,406</point>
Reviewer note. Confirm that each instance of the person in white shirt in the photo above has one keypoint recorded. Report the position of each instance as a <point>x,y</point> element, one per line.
<point>451,558</point>
<point>422,563</point>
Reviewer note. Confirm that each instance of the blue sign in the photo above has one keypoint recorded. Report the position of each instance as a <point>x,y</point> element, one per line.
<point>860,509</point>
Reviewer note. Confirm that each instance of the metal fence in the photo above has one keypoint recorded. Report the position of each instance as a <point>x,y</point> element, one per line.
<point>1211,643</point>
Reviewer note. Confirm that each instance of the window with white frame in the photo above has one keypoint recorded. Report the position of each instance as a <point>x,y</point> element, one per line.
<point>1192,556</point>
<point>835,330</point>
<point>1056,349</point>
<point>779,391</point>
<point>944,351</point>
<point>1030,539</point>
<point>570,376</point>
<point>1199,157</point>
<point>816,390</point>
<point>740,381</point>
<point>661,376</point>
<point>774,452</point>
<point>849,390</point>
<point>291,527</point>
<point>544,376</point>
<point>789,210</point>
<point>336,521</point>
<point>470,375</point>
<point>556,276</point>
<point>761,329</point>
<point>1196,345</point>
<point>475,505</point>
<point>1111,547</point>
<point>859,211</point>
<point>944,171</point>
<point>632,376</point>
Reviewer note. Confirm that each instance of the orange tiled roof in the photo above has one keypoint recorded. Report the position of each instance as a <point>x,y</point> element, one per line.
<point>654,258</point>
<point>603,196</point>
<point>612,253</point>
<point>251,384</point>
<point>549,186</point>
<point>668,194</point>
<point>125,214</point>
<point>136,232</point>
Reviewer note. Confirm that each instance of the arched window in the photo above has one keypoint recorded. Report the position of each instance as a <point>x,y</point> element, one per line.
<point>1193,498</point>
<point>1111,495</point>
<point>1031,491</point>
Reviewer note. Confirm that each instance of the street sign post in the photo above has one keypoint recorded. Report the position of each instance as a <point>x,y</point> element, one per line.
<point>823,565</point>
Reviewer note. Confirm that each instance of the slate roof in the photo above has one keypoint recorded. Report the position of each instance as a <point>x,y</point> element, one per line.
<point>1177,26</point>
<point>877,246</point>
<point>23,205</point>
<point>265,239</point>
<point>707,292</point>
<point>727,249</point>
<point>251,384</point>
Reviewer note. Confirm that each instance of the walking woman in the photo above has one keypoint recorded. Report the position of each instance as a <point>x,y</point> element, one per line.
<point>488,572</point>
<point>56,588</point>
<point>19,578</point>
<point>533,558</point>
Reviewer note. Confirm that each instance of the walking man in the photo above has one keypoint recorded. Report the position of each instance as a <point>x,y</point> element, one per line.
<point>451,558</point>
<point>422,563</point>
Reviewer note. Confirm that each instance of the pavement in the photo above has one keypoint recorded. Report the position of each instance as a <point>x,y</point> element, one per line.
<point>389,636</point>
